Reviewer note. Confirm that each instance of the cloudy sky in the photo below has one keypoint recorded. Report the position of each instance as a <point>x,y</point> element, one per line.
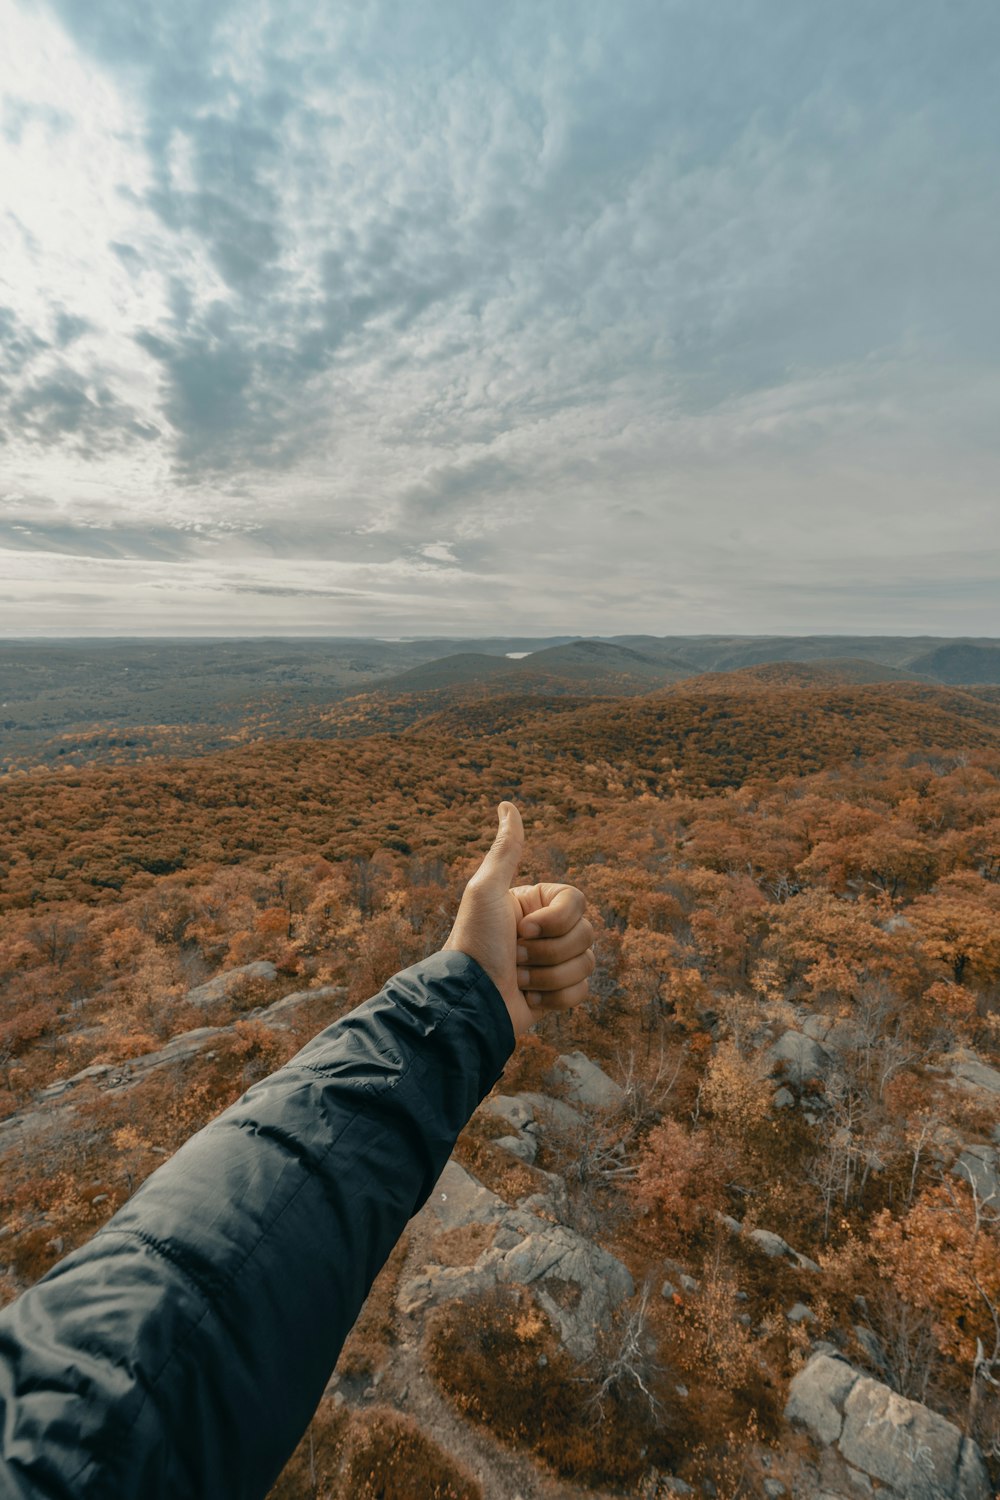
<point>476,316</point>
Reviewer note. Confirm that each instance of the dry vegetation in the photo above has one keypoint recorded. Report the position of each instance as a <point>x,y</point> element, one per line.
<point>748,860</point>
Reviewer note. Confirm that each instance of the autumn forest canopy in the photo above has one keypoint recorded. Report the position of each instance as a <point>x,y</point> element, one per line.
<point>794,870</point>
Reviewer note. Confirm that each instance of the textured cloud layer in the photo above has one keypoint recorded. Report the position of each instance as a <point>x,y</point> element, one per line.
<point>471,317</point>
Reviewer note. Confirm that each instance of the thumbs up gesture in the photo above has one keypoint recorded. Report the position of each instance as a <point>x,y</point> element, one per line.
<point>534,941</point>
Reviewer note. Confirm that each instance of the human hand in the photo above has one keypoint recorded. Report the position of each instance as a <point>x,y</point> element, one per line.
<point>534,941</point>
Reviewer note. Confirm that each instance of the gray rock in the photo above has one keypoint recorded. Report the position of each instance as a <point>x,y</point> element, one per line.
<point>980,1167</point>
<point>299,997</point>
<point>554,1113</point>
<point>972,1073</point>
<point>799,1313</point>
<point>514,1108</point>
<point>817,1394</point>
<point>798,1058</point>
<point>774,1489</point>
<point>588,1084</point>
<point>838,1036</point>
<point>543,1204</point>
<point>524,1146</point>
<point>728,1222</point>
<point>187,1044</point>
<point>96,1070</point>
<point>774,1246</point>
<point>918,1452</point>
<point>882,1436</point>
<point>690,1284</point>
<point>222,985</point>
<point>783,1099</point>
<point>459,1199</point>
<point>53,1090</point>
<point>575,1281</point>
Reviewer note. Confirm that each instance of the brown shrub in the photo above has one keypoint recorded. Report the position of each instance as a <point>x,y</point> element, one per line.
<point>678,1180</point>
<point>498,1357</point>
<point>529,1068</point>
<point>392,1459</point>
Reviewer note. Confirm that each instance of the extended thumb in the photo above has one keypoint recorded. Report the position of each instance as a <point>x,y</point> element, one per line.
<point>500,864</point>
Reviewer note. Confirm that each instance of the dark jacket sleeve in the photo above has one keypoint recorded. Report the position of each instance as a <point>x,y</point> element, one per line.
<point>183,1350</point>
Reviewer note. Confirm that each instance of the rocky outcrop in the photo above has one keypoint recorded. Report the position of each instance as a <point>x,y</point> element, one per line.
<point>776,1248</point>
<point>574,1280</point>
<point>798,1058</point>
<point>836,1035</point>
<point>970,1073</point>
<point>54,1103</point>
<point>980,1167</point>
<point>221,986</point>
<point>587,1084</point>
<point>915,1452</point>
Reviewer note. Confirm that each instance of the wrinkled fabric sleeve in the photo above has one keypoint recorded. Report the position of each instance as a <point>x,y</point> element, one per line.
<point>182,1351</point>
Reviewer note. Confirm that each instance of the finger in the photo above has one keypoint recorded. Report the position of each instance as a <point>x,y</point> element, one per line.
<point>558,1000</point>
<point>559,916</point>
<point>556,950</point>
<point>558,976</point>
<point>501,862</point>
<point>542,893</point>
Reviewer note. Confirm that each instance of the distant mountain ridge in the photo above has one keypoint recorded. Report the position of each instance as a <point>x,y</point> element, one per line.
<point>77,701</point>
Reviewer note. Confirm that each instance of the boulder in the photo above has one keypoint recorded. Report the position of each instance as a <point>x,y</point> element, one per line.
<point>970,1072</point>
<point>783,1098</point>
<point>458,1198</point>
<point>299,997</point>
<point>798,1058</point>
<point>587,1084</point>
<point>514,1108</point>
<point>774,1246</point>
<point>554,1113</point>
<point>836,1036</point>
<point>817,1394</point>
<point>523,1146</point>
<point>919,1454</point>
<point>980,1167</point>
<point>576,1282</point>
<point>221,986</point>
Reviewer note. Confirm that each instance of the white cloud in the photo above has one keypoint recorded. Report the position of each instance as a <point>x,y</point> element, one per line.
<point>654,322</point>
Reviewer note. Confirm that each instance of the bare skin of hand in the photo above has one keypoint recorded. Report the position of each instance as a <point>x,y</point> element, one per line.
<point>534,941</point>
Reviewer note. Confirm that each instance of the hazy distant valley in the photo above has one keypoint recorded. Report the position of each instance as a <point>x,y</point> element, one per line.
<point>84,700</point>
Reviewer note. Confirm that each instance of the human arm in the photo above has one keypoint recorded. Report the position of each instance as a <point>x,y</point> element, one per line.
<point>182,1351</point>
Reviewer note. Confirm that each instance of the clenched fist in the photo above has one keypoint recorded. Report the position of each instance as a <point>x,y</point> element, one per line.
<point>534,941</point>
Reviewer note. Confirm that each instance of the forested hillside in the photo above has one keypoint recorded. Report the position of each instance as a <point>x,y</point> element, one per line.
<point>796,886</point>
